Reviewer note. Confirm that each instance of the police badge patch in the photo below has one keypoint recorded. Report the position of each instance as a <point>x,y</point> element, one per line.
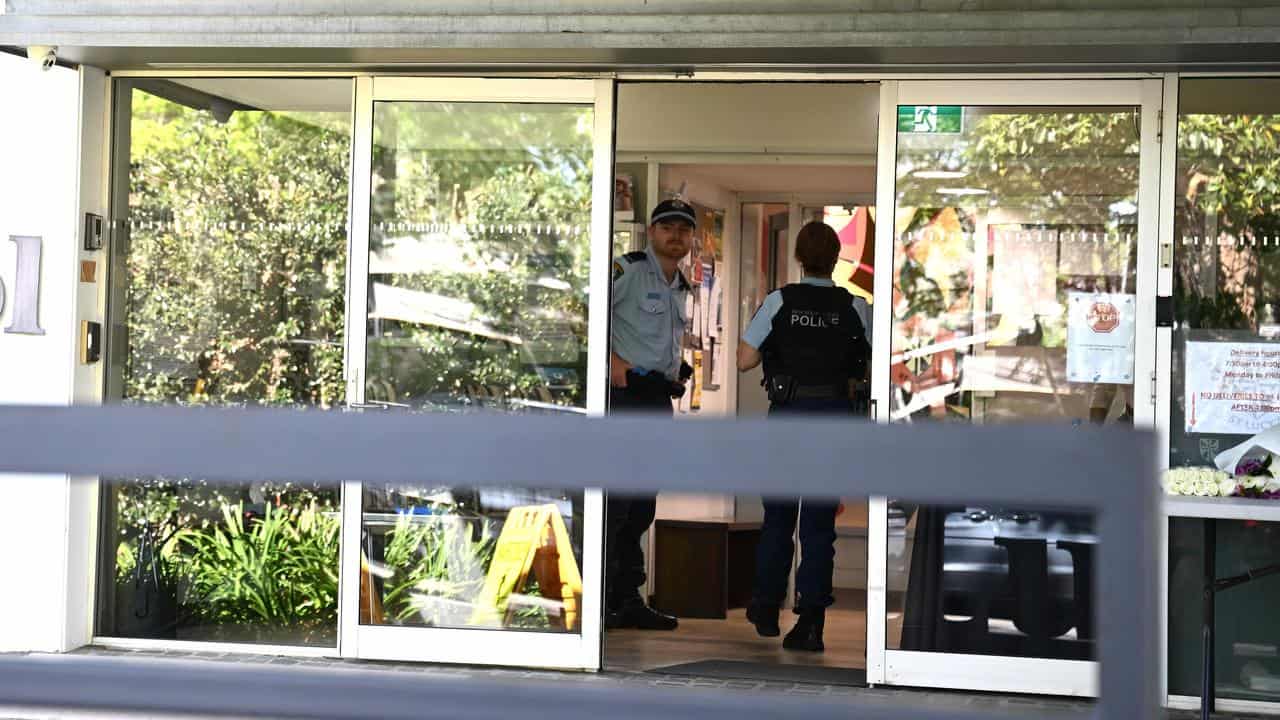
<point>617,270</point>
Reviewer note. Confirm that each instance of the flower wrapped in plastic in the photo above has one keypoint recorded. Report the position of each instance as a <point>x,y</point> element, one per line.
<point>1253,478</point>
<point>1198,481</point>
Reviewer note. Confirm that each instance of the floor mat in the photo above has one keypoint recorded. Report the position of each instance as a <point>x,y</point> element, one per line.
<point>767,672</point>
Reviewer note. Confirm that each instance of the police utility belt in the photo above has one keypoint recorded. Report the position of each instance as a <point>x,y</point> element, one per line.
<point>649,383</point>
<point>784,388</point>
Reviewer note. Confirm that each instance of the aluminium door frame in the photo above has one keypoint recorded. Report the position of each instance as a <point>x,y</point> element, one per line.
<point>980,672</point>
<point>479,646</point>
<point>885,184</point>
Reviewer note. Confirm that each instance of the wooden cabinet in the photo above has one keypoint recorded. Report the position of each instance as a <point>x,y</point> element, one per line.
<point>703,567</point>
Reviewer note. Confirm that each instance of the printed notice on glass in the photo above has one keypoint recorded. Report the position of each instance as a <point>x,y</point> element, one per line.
<point>1232,388</point>
<point>1100,337</point>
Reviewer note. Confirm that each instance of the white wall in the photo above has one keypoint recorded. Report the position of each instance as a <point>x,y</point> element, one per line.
<point>769,118</point>
<point>39,141</point>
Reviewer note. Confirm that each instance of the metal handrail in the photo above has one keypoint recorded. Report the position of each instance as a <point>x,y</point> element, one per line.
<point>1110,472</point>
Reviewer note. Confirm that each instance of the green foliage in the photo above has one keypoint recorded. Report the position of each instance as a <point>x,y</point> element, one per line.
<point>1067,167</point>
<point>236,257</point>
<point>1059,164</point>
<point>1218,311</point>
<point>1229,184</point>
<point>234,294</point>
<point>513,188</point>
<point>1231,167</point>
<point>434,557</point>
<point>279,571</point>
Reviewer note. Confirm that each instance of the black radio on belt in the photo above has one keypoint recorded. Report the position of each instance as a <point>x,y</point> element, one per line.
<point>653,384</point>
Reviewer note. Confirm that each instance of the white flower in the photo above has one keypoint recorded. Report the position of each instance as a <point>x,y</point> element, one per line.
<point>1199,481</point>
<point>1253,482</point>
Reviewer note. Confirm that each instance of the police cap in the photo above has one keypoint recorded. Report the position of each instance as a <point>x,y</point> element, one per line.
<point>674,209</point>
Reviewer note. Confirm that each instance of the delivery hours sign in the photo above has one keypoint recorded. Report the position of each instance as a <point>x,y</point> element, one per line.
<point>1232,387</point>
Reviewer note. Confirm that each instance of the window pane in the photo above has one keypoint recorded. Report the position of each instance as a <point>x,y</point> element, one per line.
<point>228,289</point>
<point>1014,300</point>
<point>478,255</point>
<point>478,291</point>
<point>1226,340</point>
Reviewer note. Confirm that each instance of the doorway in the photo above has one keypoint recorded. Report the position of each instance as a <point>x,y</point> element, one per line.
<point>756,160</point>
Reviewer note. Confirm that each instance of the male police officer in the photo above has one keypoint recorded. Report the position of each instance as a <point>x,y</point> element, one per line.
<point>812,338</point>
<point>645,373</point>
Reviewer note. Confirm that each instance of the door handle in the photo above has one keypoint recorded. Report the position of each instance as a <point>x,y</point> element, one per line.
<point>376,405</point>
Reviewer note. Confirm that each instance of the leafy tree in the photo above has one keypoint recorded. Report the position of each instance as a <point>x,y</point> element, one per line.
<point>234,294</point>
<point>1067,166</point>
<point>1228,187</point>
<point>504,195</point>
<point>235,275</point>
<point>235,286</point>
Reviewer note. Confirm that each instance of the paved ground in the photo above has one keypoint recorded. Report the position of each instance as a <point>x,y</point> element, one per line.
<point>1020,705</point>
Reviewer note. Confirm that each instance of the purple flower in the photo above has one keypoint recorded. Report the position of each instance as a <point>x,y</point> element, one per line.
<point>1253,467</point>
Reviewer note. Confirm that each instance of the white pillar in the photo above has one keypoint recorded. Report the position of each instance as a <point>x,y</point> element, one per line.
<point>45,557</point>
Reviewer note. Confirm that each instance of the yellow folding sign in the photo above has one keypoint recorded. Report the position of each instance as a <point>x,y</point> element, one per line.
<point>533,541</point>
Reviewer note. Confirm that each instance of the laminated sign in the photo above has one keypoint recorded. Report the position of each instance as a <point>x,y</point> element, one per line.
<point>1100,337</point>
<point>1232,387</point>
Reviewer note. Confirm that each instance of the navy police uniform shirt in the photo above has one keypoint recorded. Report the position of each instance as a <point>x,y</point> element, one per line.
<point>762,324</point>
<point>648,314</point>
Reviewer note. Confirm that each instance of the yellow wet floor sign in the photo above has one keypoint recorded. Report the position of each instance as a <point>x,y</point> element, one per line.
<point>533,541</point>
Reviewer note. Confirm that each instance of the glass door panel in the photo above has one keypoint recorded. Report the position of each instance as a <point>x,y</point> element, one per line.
<point>483,233</point>
<point>1016,288</point>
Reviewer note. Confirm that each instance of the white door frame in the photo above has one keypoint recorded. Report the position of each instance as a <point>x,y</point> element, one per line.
<point>981,672</point>
<point>581,650</point>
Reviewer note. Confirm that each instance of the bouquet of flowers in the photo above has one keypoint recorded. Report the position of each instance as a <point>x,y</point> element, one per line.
<point>1198,481</point>
<point>1253,478</point>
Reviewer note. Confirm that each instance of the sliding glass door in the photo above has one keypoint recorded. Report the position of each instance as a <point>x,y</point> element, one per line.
<point>478,283</point>
<point>1017,278</point>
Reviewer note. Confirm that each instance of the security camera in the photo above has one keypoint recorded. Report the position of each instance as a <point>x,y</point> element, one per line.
<point>46,56</point>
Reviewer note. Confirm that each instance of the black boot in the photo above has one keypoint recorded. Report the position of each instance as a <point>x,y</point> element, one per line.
<point>807,634</point>
<point>635,614</point>
<point>765,618</point>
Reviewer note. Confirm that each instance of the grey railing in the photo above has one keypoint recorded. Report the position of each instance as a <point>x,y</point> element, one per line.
<point>1109,472</point>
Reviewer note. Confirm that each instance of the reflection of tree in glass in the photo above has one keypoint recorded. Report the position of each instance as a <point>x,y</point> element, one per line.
<point>236,257</point>
<point>437,563</point>
<point>234,293</point>
<point>1228,185</point>
<point>1227,219</point>
<point>507,194</point>
<point>1054,166</point>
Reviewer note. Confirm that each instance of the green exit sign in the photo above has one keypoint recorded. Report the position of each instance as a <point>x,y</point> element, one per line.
<point>930,119</point>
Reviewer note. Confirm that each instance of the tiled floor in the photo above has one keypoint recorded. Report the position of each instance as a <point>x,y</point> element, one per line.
<point>1020,705</point>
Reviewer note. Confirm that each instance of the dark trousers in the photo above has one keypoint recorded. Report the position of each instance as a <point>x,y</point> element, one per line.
<point>816,518</point>
<point>628,516</point>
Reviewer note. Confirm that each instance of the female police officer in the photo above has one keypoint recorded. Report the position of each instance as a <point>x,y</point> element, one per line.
<point>812,339</point>
<point>645,373</point>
